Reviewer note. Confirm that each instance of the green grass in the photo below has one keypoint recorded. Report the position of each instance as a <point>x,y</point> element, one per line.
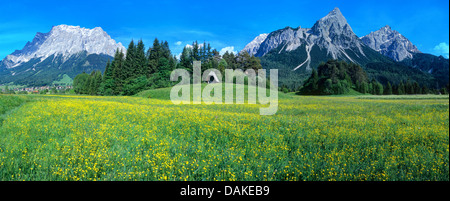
<point>148,138</point>
<point>8,103</point>
<point>65,81</point>
<point>406,97</point>
<point>351,92</point>
<point>11,86</point>
<point>164,93</point>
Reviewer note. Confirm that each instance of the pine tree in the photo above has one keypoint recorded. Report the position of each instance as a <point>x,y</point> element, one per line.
<point>365,88</point>
<point>107,85</point>
<point>215,53</point>
<point>156,49</point>
<point>90,88</point>
<point>98,82</point>
<point>315,80</point>
<point>164,67</point>
<point>379,88</point>
<point>165,50</point>
<point>244,60</point>
<point>254,63</point>
<point>425,90</point>
<point>409,88</point>
<point>195,53</point>
<point>141,60</point>
<point>388,90</point>
<point>186,59</point>
<point>209,54</point>
<point>108,70</point>
<point>231,60</point>
<point>416,89</point>
<point>118,67</point>
<point>130,62</point>
<point>203,56</point>
<point>153,58</point>
<point>222,66</point>
<point>401,89</point>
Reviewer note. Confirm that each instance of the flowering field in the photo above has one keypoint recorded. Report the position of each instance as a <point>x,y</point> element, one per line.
<point>310,138</point>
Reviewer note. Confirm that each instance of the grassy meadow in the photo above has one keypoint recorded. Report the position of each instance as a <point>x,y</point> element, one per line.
<point>146,137</point>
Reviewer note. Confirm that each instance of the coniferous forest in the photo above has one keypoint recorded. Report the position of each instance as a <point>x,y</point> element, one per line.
<point>137,69</point>
<point>338,77</point>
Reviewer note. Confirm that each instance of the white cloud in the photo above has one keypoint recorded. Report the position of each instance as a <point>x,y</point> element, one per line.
<point>178,56</point>
<point>442,49</point>
<point>200,45</point>
<point>229,49</point>
<point>178,43</point>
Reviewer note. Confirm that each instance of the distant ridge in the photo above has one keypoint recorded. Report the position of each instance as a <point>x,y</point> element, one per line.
<point>64,50</point>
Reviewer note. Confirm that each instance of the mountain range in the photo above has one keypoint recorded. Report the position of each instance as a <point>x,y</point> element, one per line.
<point>65,49</point>
<point>385,54</point>
<point>331,34</point>
<point>390,43</point>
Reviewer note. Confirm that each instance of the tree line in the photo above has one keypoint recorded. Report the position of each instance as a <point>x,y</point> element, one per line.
<point>137,70</point>
<point>212,59</point>
<point>338,77</point>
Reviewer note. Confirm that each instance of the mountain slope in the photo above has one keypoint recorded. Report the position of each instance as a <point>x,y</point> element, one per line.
<point>437,66</point>
<point>253,46</point>
<point>64,50</point>
<point>295,51</point>
<point>331,34</point>
<point>397,47</point>
<point>39,73</point>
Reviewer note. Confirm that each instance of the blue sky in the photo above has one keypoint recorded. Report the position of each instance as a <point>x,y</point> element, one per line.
<point>225,24</point>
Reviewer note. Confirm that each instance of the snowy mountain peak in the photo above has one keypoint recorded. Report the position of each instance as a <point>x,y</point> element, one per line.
<point>77,30</point>
<point>64,40</point>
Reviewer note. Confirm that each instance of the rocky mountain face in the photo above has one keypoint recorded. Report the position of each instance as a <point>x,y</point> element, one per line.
<point>253,46</point>
<point>335,34</point>
<point>295,51</point>
<point>394,45</point>
<point>66,41</point>
<point>390,43</point>
<point>331,34</point>
<point>70,48</point>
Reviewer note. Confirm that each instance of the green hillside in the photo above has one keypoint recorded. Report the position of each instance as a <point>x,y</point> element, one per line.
<point>376,65</point>
<point>164,93</point>
<point>438,67</point>
<point>53,69</point>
